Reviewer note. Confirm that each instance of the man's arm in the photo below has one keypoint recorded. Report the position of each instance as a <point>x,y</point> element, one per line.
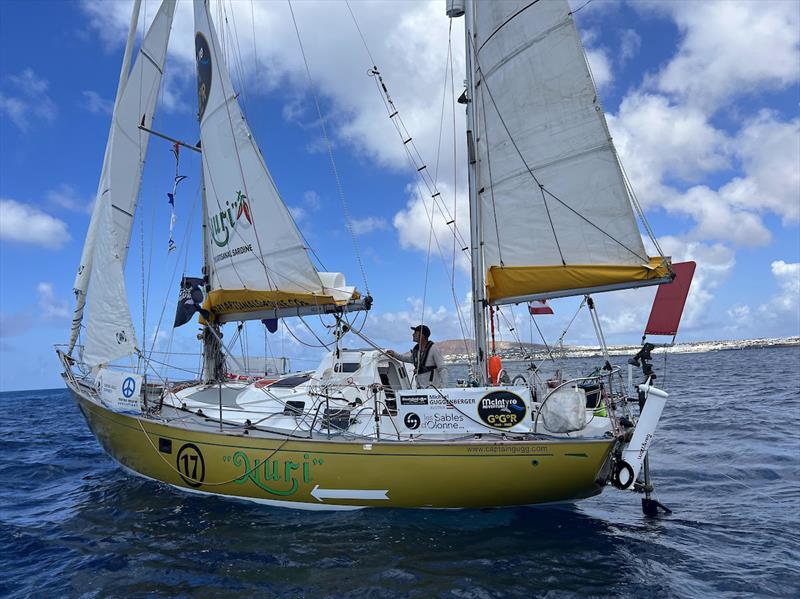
<point>406,357</point>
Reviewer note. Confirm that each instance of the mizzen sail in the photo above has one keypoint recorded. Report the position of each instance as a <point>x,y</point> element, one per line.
<point>256,255</point>
<point>557,214</point>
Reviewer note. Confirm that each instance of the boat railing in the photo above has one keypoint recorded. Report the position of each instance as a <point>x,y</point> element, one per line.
<point>604,394</point>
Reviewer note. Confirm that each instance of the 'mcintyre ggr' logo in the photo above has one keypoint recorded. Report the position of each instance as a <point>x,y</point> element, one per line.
<point>501,409</point>
<point>203,57</point>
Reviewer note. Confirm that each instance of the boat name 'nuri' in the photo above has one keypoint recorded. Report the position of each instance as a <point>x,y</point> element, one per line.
<point>269,473</point>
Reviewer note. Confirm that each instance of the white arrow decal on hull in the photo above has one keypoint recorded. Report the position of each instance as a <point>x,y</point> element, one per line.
<point>320,494</point>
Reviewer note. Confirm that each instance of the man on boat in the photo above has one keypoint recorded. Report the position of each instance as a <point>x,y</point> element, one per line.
<point>429,367</point>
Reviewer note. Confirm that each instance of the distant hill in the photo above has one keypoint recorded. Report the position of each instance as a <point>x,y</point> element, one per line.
<point>454,350</point>
<point>451,347</point>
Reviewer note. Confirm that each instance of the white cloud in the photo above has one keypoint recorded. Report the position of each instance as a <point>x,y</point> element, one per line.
<point>731,48</point>
<point>715,264</point>
<point>66,197</point>
<point>50,306</point>
<point>22,223</point>
<point>718,218</point>
<point>658,139</point>
<point>362,226</point>
<point>769,150</point>
<point>413,41</point>
<point>97,104</point>
<point>740,316</point>
<point>312,200</point>
<point>29,100</point>
<point>393,328</point>
<point>298,212</point>
<point>779,315</point>
<point>626,312</point>
<point>786,303</point>
<point>600,66</point>
<point>629,45</point>
<point>664,146</point>
<point>421,213</point>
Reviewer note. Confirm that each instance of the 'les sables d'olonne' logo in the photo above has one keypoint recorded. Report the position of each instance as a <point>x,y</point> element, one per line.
<point>220,231</point>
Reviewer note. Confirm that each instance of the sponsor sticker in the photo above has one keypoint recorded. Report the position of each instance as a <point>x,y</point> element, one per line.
<point>467,410</point>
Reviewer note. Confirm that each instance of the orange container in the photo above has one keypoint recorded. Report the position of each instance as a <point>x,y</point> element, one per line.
<point>495,366</point>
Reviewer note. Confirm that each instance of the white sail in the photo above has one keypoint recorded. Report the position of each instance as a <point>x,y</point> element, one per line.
<point>539,123</point>
<point>256,255</point>
<point>109,328</point>
<point>126,148</point>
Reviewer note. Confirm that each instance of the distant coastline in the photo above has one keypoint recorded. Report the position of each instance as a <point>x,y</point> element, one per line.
<point>527,351</point>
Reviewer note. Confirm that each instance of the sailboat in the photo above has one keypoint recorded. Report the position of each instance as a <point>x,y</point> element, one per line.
<point>551,215</point>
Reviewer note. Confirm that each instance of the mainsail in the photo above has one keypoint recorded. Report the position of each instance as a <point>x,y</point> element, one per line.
<point>556,212</point>
<point>255,254</point>
<point>125,151</point>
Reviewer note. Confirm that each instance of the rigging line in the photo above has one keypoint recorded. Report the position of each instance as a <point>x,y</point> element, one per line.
<point>259,258</point>
<point>386,99</point>
<point>139,193</point>
<point>185,250</point>
<point>237,56</point>
<point>253,24</point>
<point>342,199</point>
<point>624,175</point>
<point>226,95</point>
<point>584,5</point>
<point>507,21</point>
<point>454,103</point>
<point>530,170</point>
<point>512,326</point>
<point>544,341</point>
<point>574,316</point>
<point>485,136</point>
<point>296,338</point>
<point>418,165</point>
<point>325,345</point>
<point>435,178</point>
<point>363,39</point>
<point>552,226</point>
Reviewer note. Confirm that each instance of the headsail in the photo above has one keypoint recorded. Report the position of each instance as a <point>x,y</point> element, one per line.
<point>557,215</point>
<point>109,328</point>
<point>126,148</point>
<point>256,255</point>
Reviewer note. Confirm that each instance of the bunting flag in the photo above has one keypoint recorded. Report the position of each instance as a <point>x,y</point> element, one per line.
<point>539,307</point>
<point>178,178</point>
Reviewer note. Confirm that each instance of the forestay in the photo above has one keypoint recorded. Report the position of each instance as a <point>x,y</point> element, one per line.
<point>540,123</point>
<point>126,148</point>
<point>256,255</point>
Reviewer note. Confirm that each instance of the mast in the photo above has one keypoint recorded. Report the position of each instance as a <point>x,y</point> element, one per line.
<point>213,369</point>
<point>475,212</point>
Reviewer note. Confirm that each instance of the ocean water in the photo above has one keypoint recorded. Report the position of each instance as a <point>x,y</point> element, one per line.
<point>726,461</point>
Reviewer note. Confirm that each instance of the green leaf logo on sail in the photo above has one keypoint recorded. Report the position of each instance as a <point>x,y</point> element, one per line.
<point>222,224</point>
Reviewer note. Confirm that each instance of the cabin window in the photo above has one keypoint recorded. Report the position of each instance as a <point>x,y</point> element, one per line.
<point>346,366</point>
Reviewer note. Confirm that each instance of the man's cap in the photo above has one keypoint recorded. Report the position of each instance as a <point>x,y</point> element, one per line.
<point>423,328</point>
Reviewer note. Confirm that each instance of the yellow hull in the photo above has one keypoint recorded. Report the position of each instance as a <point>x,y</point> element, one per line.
<point>329,474</point>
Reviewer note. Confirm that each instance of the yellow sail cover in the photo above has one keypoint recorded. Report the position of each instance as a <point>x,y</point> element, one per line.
<point>503,283</point>
<point>228,301</point>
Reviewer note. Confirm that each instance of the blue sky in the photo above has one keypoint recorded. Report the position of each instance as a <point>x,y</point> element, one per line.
<point>701,98</point>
